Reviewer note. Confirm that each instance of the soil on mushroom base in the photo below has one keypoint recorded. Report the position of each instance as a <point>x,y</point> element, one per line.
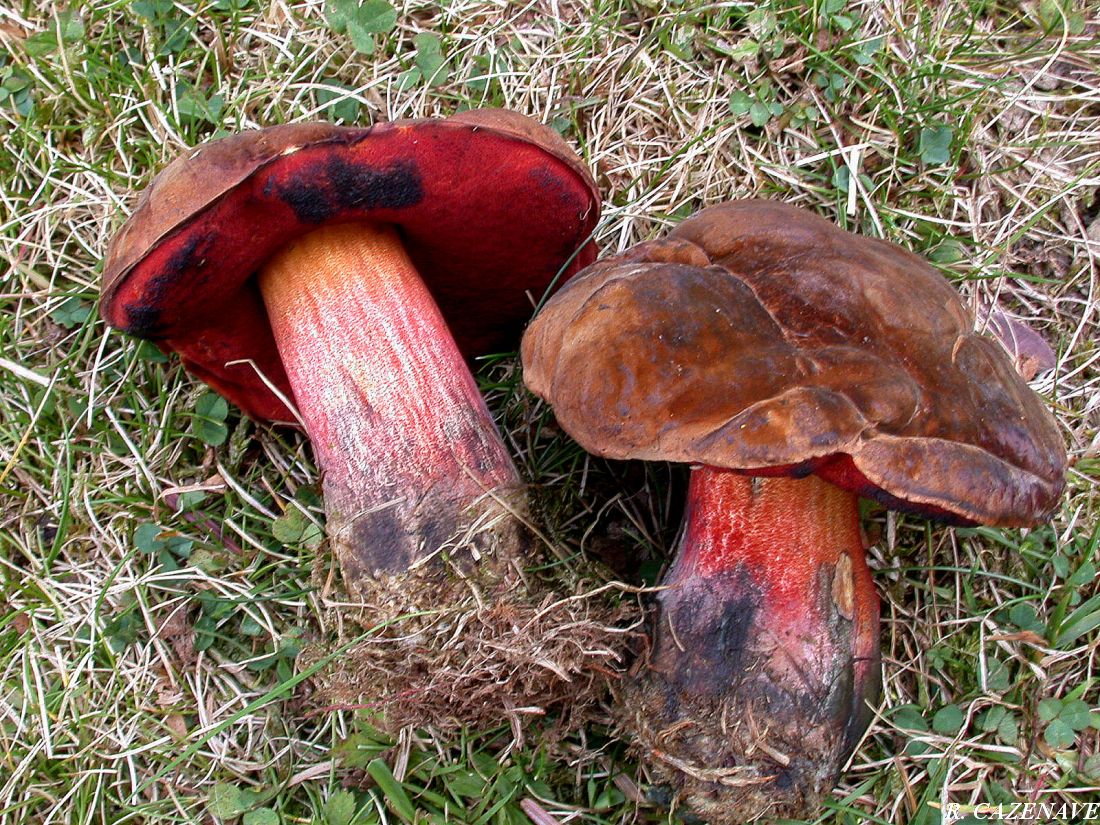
<point>476,637</point>
<point>732,709</point>
<point>726,792</point>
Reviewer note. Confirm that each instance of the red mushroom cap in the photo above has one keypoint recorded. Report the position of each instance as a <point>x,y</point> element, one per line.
<point>488,203</point>
<point>762,338</point>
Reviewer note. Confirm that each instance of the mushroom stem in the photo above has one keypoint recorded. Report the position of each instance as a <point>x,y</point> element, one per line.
<point>405,442</point>
<point>766,645</point>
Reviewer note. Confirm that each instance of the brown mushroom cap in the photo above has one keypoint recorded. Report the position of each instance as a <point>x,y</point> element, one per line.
<point>488,203</point>
<point>760,337</point>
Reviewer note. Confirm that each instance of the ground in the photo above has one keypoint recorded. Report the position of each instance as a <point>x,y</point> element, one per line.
<point>156,547</point>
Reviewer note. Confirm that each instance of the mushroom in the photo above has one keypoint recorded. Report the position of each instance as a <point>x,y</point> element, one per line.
<point>795,367</point>
<point>352,270</point>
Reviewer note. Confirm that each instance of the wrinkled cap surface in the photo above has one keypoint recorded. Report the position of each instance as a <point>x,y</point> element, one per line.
<point>759,337</point>
<point>490,204</point>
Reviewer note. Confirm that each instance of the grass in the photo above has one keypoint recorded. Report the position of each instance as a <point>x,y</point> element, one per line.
<point>154,562</point>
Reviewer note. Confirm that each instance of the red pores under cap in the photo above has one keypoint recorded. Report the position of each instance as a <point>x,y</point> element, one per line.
<point>492,208</point>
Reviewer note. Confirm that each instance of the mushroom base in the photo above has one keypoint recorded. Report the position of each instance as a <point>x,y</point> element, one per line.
<point>425,509</point>
<point>765,651</point>
<point>452,645</point>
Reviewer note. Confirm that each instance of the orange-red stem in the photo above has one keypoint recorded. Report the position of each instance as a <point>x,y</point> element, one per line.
<point>766,643</point>
<point>784,533</point>
<point>403,437</point>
